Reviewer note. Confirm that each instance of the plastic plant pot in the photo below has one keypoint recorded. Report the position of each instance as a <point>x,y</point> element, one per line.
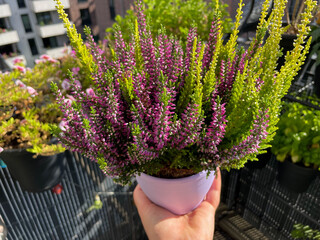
<point>294,177</point>
<point>35,174</point>
<point>179,196</point>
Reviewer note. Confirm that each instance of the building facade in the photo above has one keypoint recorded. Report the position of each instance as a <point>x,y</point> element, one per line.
<point>30,28</point>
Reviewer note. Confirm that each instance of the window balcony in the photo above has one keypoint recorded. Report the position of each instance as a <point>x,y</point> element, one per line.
<point>5,10</point>
<point>58,52</point>
<point>8,37</point>
<point>47,5</point>
<point>51,30</point>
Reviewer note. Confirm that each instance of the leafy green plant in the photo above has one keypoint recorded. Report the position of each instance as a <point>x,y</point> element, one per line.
<point>176,16</point>
<point>27,109</point>
<point>298,135</point>
<point>304,232</point>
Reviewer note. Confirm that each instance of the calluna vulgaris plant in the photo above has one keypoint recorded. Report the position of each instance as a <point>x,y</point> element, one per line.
<point>155,107</point>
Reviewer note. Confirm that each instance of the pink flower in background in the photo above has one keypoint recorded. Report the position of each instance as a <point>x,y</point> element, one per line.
<point>90,92</point>
<point>63,125</point>
<point>65,84</point>
<point>32,91</point>
<point>17,60</point>
<point>53,60</point>
<point>75,70</point>
<point>28,69</point>
<point>68,101</point>
<point>1,149</point>
<point>19,68</point>
<point>71,98</point>
<point>20,84</point>
<point>46,57</point>
<point>73,53</point>
<point>24,121</point>
<point>38,61</point>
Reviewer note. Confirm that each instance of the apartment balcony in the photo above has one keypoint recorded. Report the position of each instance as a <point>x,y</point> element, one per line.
<point>47,5</point>
<point>51,30</point>
<point>9,37</point>
<point>58,52</point>
<point>5,10</point>
<point>11,60</point>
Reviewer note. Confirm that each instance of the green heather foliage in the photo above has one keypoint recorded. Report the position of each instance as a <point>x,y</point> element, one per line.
<point>176,16</point>
<point>155,105</point>
<point>28,110</point>
<point>298,136</point>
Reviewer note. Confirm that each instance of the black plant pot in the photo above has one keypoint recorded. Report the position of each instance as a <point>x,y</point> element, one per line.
<point>316,81</point>
<point>294,177</point>
<point>263,160</point>
<point>34,174</point>
<point>286,44</point>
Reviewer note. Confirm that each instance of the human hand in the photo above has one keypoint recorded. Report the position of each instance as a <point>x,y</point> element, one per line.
<point>160,223</point>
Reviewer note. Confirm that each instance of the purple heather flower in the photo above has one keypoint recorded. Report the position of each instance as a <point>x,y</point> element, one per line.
<point>90,92</point>
<point>75,70</point>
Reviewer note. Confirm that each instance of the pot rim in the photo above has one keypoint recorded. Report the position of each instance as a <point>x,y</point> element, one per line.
<point>175,180</point>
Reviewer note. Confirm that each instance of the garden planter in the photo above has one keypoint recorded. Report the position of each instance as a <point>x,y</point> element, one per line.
<point>181,195</point>
<point>294,177</point>
<point>34,174</point>
<point>316,81</point>
<point>263,160</point>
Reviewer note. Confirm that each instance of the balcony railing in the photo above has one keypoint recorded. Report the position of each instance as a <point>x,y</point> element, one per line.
<point>9,38</point>
<point>51,30</point>
<point>58,52</point>
<point>47,5</point>
<point>5,10</point>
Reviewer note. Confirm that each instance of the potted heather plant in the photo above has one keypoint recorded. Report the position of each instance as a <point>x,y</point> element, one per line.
<point>296,146</point>
<point>171,116</point>
<point>26,144</point>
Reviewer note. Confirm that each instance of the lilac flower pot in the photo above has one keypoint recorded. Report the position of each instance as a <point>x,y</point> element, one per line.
<point>181,195</point>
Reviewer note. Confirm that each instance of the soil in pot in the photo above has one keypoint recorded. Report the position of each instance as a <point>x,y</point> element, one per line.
<point>34,174</point>
<point>295,177</point>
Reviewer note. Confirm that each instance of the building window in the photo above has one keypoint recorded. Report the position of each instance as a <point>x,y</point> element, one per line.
<point>26,22</point>
<point>3,24</point>
<point>33,46</point>
<point>50,42</point>
<point>44,18</point>
<point>21,4</point>
<point>112,10</point>
<point>6,50</point>
<point>81,1</point>
<point>85,17</point>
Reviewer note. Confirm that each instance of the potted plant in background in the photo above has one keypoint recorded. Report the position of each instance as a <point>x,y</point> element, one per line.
<point>27,146</point>
<point>315,49</point>
<point>293,17</point>
<point>172,116</point>
<point>301,231</point>
<point>297,146</point>
<point>176,16</point>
